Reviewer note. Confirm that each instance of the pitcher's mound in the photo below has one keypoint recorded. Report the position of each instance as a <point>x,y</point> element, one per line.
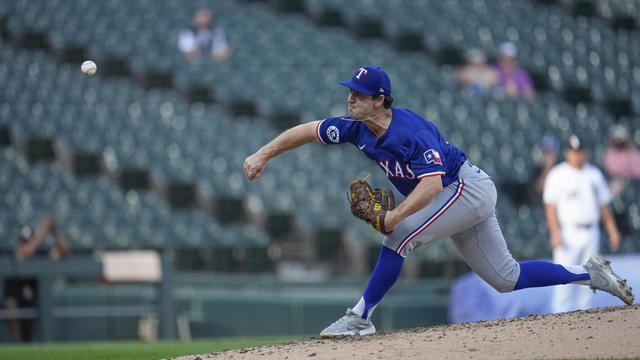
<point>597,333</point>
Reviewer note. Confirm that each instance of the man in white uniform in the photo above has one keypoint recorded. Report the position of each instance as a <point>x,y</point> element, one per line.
<point>576,196</point>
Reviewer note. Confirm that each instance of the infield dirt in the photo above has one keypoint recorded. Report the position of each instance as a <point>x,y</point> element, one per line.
<point>611,332</point>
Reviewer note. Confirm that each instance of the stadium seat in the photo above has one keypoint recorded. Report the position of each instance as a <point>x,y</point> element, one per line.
<point>232,107</point>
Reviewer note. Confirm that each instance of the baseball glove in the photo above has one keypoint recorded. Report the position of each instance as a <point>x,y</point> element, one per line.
<point>370,205</point>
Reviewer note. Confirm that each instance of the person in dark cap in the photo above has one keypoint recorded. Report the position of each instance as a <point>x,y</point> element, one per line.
<point>21,293</point>
<point>576,198</point>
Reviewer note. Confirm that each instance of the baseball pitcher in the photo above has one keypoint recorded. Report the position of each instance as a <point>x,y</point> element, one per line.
<point>446,196</point>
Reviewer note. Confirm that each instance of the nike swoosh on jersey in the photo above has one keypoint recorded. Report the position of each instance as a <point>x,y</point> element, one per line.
<point>362,147</point>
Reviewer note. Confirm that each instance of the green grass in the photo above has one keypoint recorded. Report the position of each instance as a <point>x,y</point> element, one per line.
<point>130,350</point>
<point>135,350</point>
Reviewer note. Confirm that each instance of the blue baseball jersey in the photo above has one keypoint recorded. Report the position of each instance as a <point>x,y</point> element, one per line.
<point>412,148</point>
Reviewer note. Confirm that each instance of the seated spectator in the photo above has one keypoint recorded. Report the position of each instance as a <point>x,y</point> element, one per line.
<point>204,38</point>
<point>477,78</point>
<point>621,159</point>
<point>513,81</point>
<point>21,293</point>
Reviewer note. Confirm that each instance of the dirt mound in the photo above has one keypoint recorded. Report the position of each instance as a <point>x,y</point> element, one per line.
<point>597,333</point>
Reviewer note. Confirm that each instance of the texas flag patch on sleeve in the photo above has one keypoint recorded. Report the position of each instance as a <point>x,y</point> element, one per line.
<point>432,156</point>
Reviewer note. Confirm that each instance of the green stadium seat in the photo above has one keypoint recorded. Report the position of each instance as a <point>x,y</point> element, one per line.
<point>135,129</point>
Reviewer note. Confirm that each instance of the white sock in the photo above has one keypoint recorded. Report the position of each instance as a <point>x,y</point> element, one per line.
<point>359,308</point>
<point>578,269</point>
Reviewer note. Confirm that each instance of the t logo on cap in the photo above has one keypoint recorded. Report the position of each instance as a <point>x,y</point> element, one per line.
<point>370,80</point>
<point>361,71</point>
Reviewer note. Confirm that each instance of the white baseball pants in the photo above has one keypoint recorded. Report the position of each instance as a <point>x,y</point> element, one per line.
<point>579,243</point>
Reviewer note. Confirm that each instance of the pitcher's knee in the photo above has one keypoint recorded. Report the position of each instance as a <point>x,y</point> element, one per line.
<point>506,275</point>
<point>503,286</point>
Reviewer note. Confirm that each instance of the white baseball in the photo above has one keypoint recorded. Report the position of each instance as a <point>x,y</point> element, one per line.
<point>88,67</point>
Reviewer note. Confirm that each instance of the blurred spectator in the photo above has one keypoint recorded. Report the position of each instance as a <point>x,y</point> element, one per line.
<point>477,78</point>
<point>576,198</point>
<point>21,293</point>
<point>621,159</point>
<point>204,38</point>
<point>513,81</point>
<point>549,147</point>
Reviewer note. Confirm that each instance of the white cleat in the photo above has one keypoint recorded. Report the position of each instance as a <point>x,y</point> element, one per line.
<point>351,324</point>
<point>603,278</point>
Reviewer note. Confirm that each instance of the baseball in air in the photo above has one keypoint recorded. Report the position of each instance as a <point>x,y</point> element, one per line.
<point>88,67</point>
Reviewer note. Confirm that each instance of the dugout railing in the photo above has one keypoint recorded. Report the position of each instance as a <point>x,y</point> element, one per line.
<point>84,268</point>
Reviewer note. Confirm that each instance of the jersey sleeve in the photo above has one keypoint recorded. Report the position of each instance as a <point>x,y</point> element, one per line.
<point>427,158</point>
<point>186,41</point>
<point>550,189</point>
<point>219,43</point>
<point>527,83</point>
<point>337,130</point>
<point>603,194</point>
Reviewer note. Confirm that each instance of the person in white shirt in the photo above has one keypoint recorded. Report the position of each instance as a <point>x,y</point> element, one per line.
<point>576,197</point>
<point>204,38</point>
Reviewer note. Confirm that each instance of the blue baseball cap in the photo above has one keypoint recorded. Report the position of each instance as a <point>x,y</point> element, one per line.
<point>370,80</point>
<point>549,142</point>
